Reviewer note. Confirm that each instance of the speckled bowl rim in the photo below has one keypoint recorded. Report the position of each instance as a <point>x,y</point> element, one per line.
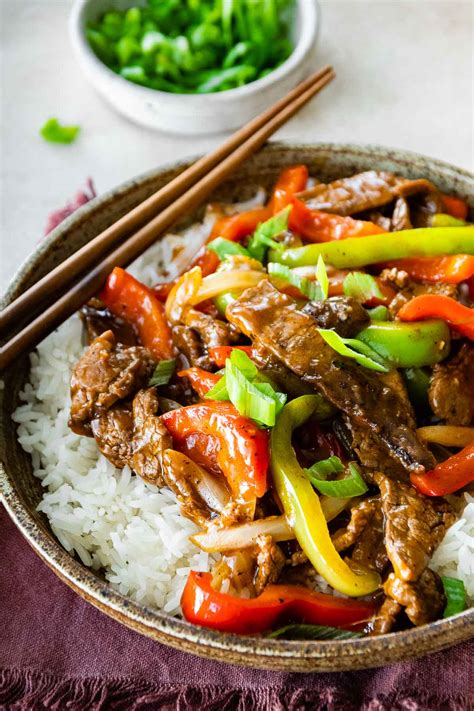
<point>246,651</point>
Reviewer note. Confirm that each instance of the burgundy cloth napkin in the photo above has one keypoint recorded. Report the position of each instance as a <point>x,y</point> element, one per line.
<point>59,652</point>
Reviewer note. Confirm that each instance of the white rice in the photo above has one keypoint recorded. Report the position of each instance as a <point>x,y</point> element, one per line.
<point>111,519</point>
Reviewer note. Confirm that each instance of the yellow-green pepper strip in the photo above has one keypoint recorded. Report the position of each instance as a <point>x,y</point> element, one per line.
<point>440,219</point>
<point>408,345</point>
<point>359,251</point>
<point>303,508</point>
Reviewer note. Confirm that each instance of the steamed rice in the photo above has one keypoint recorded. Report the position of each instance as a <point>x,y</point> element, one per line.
<point>111,519</point>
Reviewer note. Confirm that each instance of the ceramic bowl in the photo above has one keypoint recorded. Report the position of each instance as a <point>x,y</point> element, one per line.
<point>21,491</point>
<point>193,114</point>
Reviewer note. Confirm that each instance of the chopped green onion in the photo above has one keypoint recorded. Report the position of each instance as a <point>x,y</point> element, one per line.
<point>322,469</point>
<point>362,287</point>
<point>240,385</point>
<point>312,632</point>
<point>308,288</point>
<point>322,277</point>
<point>261,239</point>
<point>379,313</point>
<point>162,373</point>
<point>354,485</point>
<point>455,595</point>
<point>225,247</point>
<point>353,348</point>
<point>53,132</point>
<point>219,391</point>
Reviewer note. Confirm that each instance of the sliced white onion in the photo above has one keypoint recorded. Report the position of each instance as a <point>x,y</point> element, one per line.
<point>447,435</point>
<point>243,535</point>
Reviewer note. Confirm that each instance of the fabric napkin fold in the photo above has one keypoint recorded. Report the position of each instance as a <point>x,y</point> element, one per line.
<point>59,652</point>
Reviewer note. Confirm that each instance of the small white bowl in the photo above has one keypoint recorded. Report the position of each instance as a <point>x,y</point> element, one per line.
<point>193,114</point>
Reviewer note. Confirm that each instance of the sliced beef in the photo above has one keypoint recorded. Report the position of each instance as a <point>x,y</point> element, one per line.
<point>150,438</point>
<point>97,319</point>
<point>273,320</point>
<point>113,431</point>
<point>414,526</point>
<point>423,600</point>
<point>342,313</point>
<point>190,345</point>
<point>364,191</point>
<point>386,616</point>
<point>270,562</point>
<point>279,373</point>
<point>198,333</point>
<point>401,216</point>
<point>365,532</point>
<point>451,391</point>
<point>106,373</point>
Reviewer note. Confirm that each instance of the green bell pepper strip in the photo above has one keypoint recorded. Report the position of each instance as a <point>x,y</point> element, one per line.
<point>425,343</point>
<point>441,219</point>
<point>417,382</point>
<point>303,508</point>
<point>359,251</point>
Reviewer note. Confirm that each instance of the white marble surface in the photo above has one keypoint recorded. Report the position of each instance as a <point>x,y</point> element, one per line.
<point>405,79</point>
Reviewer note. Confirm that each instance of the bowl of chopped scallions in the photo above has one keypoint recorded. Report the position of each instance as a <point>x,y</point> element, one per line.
<point>194,66</point>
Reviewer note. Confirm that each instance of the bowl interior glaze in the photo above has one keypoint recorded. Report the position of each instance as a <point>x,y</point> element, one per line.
<point>22,492</point>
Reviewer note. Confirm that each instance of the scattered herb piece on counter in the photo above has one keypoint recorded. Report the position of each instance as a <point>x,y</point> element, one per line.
<point>194,47</point>
<point>455,595</point>
<point>54,132</point>
<point>312,632</point>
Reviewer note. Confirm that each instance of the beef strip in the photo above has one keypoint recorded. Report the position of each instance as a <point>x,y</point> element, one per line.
<point>279,373</point>
<point>270,562</point>
<point>414,526</point>
<point>106,373</point>
<point>342,313</point>
<point>273,320</point>
<point>401,216</point>
<point>364,191</point>
<point>97,319</point>
<point>365,532</point>
<point>423,600</point>
<point>113,431</point>
<point>198,333</point>
<point>407,289</point>
<point>386,616</point>
<point>451,391</point>
<point>150,438</point>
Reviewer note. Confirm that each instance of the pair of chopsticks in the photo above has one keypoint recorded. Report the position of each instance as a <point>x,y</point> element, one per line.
<point>67,287</point>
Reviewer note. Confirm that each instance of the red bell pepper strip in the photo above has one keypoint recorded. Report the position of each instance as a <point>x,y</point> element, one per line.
<point>202,605</point>
<point>201,380</point>
<point>219,354</point>
<point>317,226</point>
<point>292,180</point>
<point>241,447</point>
<point>455,206</point>
<point>448,476</point>
<point>459,317</point>
<point>236,227</point>
<point>128,298</point>
<point>451,269</point>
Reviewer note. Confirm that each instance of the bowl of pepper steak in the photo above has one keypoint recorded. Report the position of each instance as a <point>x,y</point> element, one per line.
<point>256,443</point>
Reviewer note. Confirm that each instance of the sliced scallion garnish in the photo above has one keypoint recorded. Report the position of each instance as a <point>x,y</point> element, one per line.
<point>355,349</point>
<point>262,238</point>
<point>162,373</point>
<point>311,289</point>
<point>353,485</point>
<point>455,595</point>
<point>362,287</point>
<point>225,248</point>
<point>379,313</point>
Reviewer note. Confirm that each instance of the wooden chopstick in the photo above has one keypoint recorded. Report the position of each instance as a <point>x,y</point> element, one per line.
<point>84,258</point>
<point>129,250</point>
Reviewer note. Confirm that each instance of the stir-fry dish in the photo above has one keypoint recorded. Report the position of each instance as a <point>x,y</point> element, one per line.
<point>306,390</point>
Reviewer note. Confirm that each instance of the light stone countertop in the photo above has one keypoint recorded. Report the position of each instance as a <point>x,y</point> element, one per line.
<point>405,79</point>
